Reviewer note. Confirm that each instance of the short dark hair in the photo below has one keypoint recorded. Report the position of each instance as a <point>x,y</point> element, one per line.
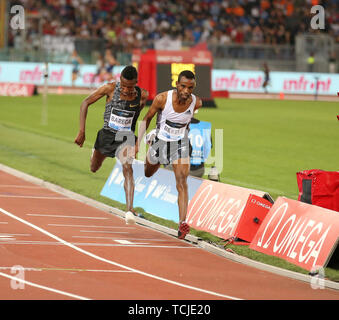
<point>130,73</point>
<point>187,74</point>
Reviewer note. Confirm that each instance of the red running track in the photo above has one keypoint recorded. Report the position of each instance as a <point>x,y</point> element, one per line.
<point>69,250</point>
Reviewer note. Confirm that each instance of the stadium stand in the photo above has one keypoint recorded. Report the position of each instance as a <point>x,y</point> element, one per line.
<point>245,29</point>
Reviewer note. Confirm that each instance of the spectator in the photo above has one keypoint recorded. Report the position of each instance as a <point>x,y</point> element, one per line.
<point>310,62</point>
<point>76,62</point>
<point>246,21</point>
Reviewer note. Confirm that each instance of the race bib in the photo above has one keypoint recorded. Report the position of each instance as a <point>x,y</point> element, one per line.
<point>173,131</point>
<point>121,120</point>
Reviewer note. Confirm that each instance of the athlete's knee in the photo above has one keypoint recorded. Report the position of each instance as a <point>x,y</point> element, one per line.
<point>148,173</point>
<point>127,170</point>
<point>94,168</point>
<point>96,160</point>
<point>181,184</point>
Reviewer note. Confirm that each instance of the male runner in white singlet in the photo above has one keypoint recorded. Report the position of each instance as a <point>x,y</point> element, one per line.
<point>175,108</point>
<point>124,101</point>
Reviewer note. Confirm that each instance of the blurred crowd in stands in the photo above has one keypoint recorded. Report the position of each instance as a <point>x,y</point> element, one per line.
<point>132,24</point>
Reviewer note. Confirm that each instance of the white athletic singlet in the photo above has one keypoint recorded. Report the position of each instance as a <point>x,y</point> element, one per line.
<point>172,125</point>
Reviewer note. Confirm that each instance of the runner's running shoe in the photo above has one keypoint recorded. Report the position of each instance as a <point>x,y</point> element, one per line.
<point>184,228</point>
<point>129,217</point>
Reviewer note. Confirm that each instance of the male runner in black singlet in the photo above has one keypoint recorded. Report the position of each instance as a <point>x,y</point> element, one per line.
<point>124,101</point>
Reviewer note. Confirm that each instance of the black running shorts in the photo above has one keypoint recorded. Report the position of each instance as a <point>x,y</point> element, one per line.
<point>109,142</point>
<point>166,152</point>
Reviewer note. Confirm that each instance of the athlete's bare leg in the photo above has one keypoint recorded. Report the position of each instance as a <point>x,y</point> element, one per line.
<point>150,168</point>
<point>181,168</point>
<point>127,170</point>
<point>97,159</point>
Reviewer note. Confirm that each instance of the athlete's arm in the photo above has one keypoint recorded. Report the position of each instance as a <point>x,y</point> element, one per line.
<point>144,97</point>
<point>157,105</point>
<point>104,90</point>
<point>198,104</point>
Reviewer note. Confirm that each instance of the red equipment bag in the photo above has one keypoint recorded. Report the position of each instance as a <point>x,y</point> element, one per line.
<point>319,187</point>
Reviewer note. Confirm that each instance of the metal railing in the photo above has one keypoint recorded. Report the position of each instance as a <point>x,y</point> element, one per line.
<point>230,56</point>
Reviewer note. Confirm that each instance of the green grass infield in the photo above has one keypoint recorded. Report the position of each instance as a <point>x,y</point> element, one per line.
<point>264,144</point>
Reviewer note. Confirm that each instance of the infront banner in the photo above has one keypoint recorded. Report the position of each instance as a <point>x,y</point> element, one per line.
<point>303,234</point>
<point>58,74</point>
<point>157,195</point>
<point>209,81</point>
<point>217,207</point>
<point>286,82</point>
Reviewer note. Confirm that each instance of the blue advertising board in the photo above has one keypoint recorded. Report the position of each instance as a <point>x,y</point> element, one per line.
<point>156,195</point>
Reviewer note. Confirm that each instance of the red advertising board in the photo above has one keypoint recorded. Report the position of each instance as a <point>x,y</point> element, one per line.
<point>16,89</point>
<point>158,70</point>
<point>252,217</point>
<point>217,207</point>
<point>300,233</point>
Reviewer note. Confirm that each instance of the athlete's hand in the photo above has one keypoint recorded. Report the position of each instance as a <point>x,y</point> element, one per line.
<point>80,139</point>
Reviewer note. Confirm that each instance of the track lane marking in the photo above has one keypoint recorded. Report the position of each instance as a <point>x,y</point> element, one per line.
<point>19,186</point>
<point>43,287</point>
<point>67,269</point>
<point>62,216</point>
<point>86,226</point>
<point>115,263</point>
<point>111,238</point>
<point>91,244</point>
<point>34,197</point>
<point>103,231</point>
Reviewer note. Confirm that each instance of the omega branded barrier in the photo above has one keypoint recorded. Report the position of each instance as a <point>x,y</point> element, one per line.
<point>303,234</point>
<point>217,208</point>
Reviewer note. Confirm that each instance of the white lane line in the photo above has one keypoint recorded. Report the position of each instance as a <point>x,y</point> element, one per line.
<point>15,234</point>
<point>62,216</point>
<point>66,269</point>
<point>92,255</point>
<point>92,244</point>
<point>34,197</point>
<point>130,242</point>
<point>2,222</point>
<point>111,238</point>
<point>101,231</point>
<point>19,186</point>
<point>43,287</point>
<point>6,238</point>
<point>86,226</point>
